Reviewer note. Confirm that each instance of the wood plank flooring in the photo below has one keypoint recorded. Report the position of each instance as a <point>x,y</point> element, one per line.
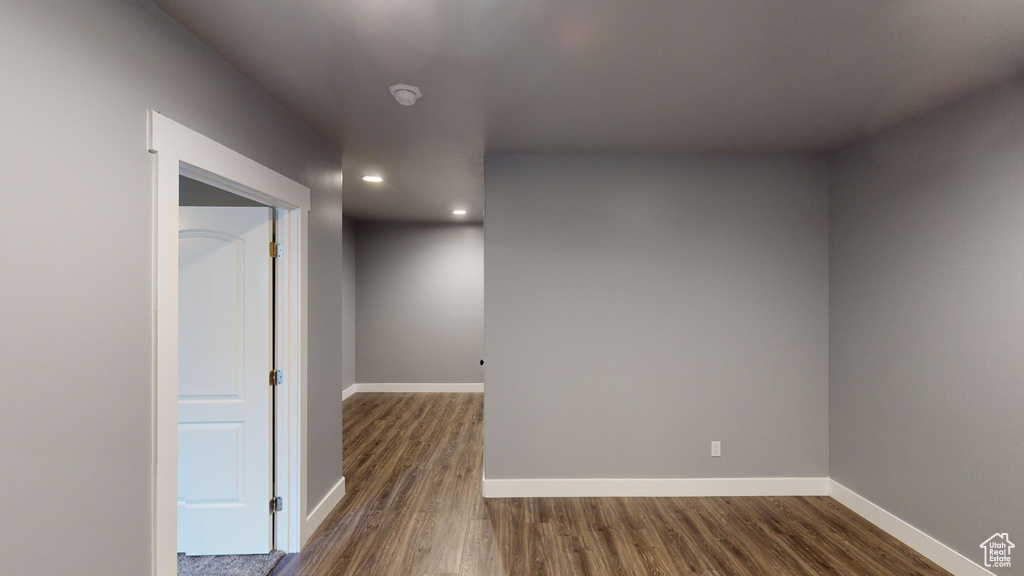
<point>413,465</point>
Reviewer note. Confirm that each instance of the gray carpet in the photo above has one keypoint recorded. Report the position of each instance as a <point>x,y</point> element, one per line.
<point>247,565</point>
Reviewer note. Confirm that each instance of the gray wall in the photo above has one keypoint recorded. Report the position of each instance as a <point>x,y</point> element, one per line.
<point>639,307</point>
<point>76,349</point>
<point>419,302</point>
<point>927,320</point>
<point>195,193</point>
<point>326,332</point>
<point>348,295</point>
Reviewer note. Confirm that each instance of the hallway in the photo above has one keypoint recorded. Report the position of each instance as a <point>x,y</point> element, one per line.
<point>413,463</point>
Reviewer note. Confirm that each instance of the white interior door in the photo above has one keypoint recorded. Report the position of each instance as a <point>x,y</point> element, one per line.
<point>224,400</point>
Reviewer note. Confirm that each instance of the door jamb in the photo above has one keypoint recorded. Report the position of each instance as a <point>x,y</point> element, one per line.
<point>180,151</point>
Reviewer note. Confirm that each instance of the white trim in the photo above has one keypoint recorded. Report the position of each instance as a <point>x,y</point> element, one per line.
<point>949,559</point>
<point>654,487</point>
<point>292,276</point>
<point>347,392</point>
<point>416,387</point>
<point>322,510</point>
<point>179,150</point>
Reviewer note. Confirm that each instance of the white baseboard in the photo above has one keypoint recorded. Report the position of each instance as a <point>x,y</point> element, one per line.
<point>412,387</point>
<point>317,516</point>
<point>937,552</point>
<point>949,559</point>
<point>654,487</point>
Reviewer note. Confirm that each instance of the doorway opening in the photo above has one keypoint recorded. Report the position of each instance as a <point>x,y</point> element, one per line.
<point>226,349</point>
<point>180,151</point>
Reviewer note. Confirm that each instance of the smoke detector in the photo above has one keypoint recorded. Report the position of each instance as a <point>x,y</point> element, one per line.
<point>405,94</point>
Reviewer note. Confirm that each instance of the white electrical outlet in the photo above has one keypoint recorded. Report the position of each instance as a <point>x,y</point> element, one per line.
<point>716,448</point>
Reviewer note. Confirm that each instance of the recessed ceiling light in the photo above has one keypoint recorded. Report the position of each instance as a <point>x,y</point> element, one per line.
<point>374,179</point>
<point>459,212</point>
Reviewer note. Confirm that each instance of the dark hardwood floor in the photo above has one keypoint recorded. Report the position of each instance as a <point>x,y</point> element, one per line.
<point>413,466</point>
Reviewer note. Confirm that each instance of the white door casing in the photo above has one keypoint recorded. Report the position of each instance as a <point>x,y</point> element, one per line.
<point>179,150</point>
<point>224,400</point>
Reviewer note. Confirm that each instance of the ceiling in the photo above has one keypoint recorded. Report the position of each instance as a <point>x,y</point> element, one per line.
<point>596,76</point>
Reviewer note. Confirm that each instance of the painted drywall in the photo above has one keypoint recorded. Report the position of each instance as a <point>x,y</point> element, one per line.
<point>325,325</point>
<point>639,307</point>
<point>927,320</point>
<point>77,185</point>
<point>195,193</point>
<point>419,303</point>
<point>348,303</point>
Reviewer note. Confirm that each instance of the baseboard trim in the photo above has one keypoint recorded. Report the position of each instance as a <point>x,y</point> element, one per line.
<point>949,559</point>
<point>654,487</point>
<point>412,387</point>
<point>319,513</point>
<point>352,389</point>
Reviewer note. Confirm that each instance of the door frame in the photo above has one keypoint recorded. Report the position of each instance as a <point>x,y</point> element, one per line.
<point>180,151</point>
